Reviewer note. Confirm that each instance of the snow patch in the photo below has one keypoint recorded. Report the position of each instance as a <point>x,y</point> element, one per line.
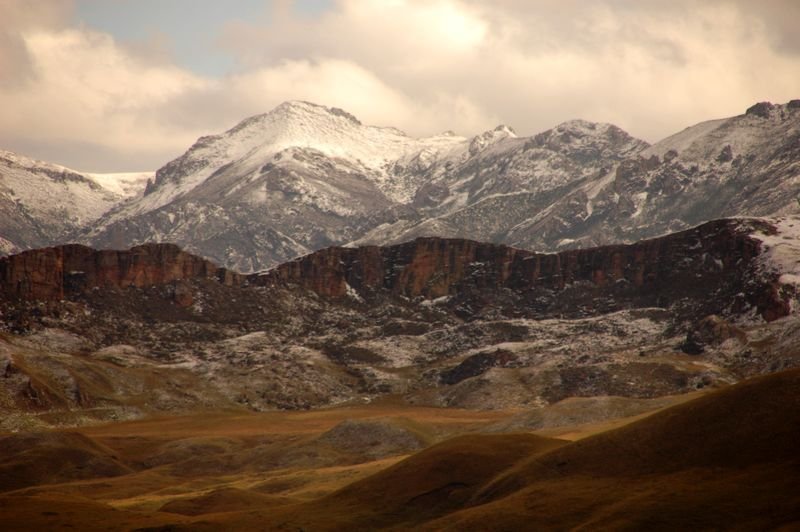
<point>437,301</point>
<point>352,293</point>
<point>125,184</point>
<point>781,251</point>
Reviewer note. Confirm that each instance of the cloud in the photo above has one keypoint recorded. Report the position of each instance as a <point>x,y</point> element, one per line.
<point>86,97</point>
<point>17,16</point>
<point>345,84</point>
<point>78,94</point>
<point>651,67</point>
<point>81,85</point>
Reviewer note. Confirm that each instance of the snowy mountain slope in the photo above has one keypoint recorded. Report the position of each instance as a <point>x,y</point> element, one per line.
<point>298,178</point>
<point>124,184</point>
<point>781,251</point>
<point>304,176</point>
<point>501,184</point>
<point>744,165</point>
<point>43,203</point>
<point>506,164</point>
<point>332,132</point>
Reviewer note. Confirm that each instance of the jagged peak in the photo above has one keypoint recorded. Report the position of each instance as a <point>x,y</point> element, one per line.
<point>500,131</point>
<point>761,109</point>
<point>723,138</point>
<point>295,123</point>
<point>580,132</point>
<point>490,137</point>
<point>586,127</point>
<point>29,162</point>
<point>52,170</point>
<point>766,109</point>
<point>291,111</point>
<point>506,130</point>
<point>301,107</point>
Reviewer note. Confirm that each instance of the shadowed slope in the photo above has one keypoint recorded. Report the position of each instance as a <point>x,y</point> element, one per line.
<point>754,422</point>
<point>222,500</point>
<point>725,459</point>
<point>66,512</point>
<point>429,484</point>
<point>728,458</point>
<point>50,457</point>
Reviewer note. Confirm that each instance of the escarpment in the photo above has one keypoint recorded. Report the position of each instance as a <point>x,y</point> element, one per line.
<point>59,272</point>
<point>714,268</point>
<point>713,265</point>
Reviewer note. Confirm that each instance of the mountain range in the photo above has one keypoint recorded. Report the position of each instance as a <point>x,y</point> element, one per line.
<point>435,384</point>
<point>436,322</point>
<point>303,177</point>
<point>362,330</point>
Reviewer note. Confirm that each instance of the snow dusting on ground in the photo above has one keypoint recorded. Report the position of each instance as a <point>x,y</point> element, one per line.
<point>51,193</point>
<point>782,250</point>
<point>125,184</point>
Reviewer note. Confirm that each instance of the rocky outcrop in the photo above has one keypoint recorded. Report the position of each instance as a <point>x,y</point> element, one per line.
<point>712,330</point>
<point>761,109</point>
<point>711,269</point>
<point>438,322</point>
<point>58,272</point>
<point>712,265</point>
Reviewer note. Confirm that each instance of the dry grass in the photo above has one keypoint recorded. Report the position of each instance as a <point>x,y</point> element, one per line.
<point>725,459</point>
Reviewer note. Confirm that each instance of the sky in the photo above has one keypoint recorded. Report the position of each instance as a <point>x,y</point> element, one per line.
<point>128,85</point>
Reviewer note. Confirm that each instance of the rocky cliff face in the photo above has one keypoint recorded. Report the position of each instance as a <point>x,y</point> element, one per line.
<point>442,322</point>
<point>59,272</point>
<point>708,265</point>
<point>715,268</point>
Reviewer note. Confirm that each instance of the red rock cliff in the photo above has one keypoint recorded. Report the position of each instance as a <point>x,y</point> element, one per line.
<point>712,263</point>
<point>55,273</point>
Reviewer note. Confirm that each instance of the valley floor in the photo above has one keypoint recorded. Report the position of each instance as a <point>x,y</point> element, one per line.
<point>685,461</point>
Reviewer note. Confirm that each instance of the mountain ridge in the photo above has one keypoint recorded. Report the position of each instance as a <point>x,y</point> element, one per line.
<point>304,177</point>
<point>42,203</point>
<point>433,322</point>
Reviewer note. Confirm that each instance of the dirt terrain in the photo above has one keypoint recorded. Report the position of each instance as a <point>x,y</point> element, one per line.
<point>692,464</point>
<point>440,384</point>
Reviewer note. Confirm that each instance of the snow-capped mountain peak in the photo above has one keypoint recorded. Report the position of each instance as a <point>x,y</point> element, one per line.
<point>330,131</point>
<point>753,131</point>
<point>42,202</point>
<point>488,138</point>
<point>305,176</point>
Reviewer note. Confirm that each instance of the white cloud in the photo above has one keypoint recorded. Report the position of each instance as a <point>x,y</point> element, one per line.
<point>345,84</point>
<point>80,87</point>
<point>421,66</point>
<point>86,86</point>
<point>652,68</point>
